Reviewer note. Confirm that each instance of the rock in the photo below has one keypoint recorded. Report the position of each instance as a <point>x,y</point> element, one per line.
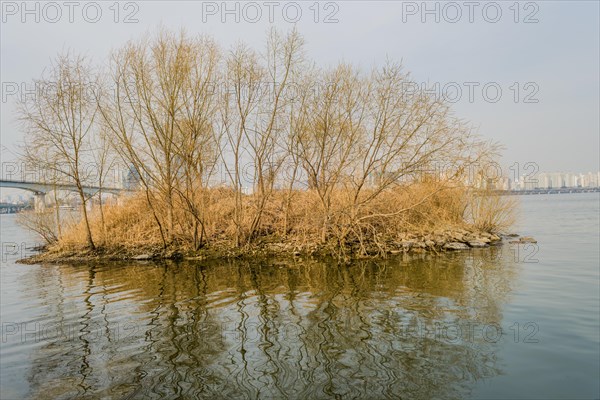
<point>455,246</point>
<point>142,257</point>
<point>495,238</point>
<point>419,245</point>
<point>440,241</point>
<point>482,239</point>
<point>523,240</point>
<point>527,239</point>
<point>457,236</point>
<point>407,244</point>
<point>476,243</point>
<point>429,243</point>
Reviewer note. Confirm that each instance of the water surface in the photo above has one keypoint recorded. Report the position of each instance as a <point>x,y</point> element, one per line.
<point>506,322</point>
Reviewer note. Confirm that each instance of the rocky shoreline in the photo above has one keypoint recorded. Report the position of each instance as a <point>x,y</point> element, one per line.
<point>435,242</point>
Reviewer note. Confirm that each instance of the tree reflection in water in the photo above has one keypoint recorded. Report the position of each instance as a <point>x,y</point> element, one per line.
<point>421,327</point>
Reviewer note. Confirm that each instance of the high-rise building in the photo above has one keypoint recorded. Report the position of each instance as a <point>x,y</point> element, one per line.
<point>558,180</point>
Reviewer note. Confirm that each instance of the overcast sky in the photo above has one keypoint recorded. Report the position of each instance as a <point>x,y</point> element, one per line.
<point>526,75</point>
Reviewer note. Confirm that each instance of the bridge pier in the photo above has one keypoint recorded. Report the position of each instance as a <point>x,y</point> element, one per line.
<point>39,202</point>
<point>89,204</point>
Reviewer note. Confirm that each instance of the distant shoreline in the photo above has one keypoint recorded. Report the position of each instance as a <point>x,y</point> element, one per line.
<point>565,190</point>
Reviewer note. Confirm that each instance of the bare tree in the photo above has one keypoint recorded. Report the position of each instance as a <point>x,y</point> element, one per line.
<point>244,79</point>
<point>405,133</point>
<point>60,120</point>
<point>329,141</point>
<point>160,113</point>
<point>104,161</point>
<point>363,135</point>
<point>266,135</point>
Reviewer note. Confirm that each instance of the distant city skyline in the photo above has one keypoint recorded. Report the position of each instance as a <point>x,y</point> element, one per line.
<point>553,180</point>
<point>541,180</point>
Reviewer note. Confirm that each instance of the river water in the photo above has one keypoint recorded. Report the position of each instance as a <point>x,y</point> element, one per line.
<point>500,323</point>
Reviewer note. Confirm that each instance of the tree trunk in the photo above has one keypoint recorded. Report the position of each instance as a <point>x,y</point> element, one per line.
<point>88,230</point>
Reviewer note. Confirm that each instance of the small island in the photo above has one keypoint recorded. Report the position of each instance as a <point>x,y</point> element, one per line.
<point>244,152</point>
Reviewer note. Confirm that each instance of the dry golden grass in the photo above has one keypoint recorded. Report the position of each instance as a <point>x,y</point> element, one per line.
<point>488,211</point>
<point>126,225</point>
<point>357,227</point>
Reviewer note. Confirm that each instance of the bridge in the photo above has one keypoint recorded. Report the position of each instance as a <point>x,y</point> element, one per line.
<point>40,189</point>
<point>43,188</point>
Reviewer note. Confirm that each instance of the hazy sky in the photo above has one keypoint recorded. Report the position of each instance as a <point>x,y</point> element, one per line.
<point>526,74</point>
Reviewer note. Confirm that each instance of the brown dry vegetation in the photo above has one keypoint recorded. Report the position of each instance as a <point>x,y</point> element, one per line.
<point>419,211</point>
<point>336,160</point>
